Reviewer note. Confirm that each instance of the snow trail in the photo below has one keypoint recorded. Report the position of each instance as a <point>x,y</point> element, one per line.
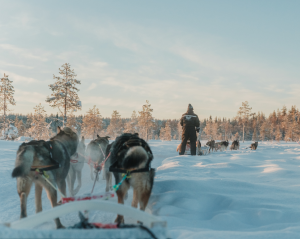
<point>231,194</point>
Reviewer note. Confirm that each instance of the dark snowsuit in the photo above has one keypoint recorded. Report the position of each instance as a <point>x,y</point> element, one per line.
<point>189,121</point>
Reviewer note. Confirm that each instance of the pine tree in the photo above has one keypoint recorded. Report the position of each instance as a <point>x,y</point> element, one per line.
<point>72,123</point>
<point>92,123</point>
<point>263,129</point>
<point>6,98</point>
<point>166,132</point>
<point>278,134</point>
<point>145,120</point>
<point>115,127</point>
<point>131,126</point>
<point>20,126</point>
<point>179,130</point>
<point>39,127</point>
<point>64,92</point>
<point>162,133</point>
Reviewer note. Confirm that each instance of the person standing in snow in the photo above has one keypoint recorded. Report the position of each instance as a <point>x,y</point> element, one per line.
<point>190,124</point>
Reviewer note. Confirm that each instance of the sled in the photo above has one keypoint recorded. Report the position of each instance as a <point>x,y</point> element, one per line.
<point>152,226</point>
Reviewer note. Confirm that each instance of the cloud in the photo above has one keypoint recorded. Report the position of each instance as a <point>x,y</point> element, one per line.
<point>92,86</point>
<point>25,53</point>
<point>18,78</point>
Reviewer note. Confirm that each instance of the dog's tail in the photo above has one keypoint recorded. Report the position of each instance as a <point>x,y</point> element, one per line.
<point>24,161</point>
<point>136,157</point>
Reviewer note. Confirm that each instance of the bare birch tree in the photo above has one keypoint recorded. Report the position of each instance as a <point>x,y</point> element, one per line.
<point>244,114</point>
<point>64,92</point>
<point>6,98</point>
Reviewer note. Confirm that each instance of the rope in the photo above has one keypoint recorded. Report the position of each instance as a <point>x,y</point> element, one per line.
<point>98,169</point>
<point>47,180</point>
<point>127,175</point>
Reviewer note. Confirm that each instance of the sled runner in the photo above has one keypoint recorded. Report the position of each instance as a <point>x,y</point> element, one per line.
<point>152,226</point>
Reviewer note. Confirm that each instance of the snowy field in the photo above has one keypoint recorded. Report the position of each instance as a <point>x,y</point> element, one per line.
<point>231,194</point>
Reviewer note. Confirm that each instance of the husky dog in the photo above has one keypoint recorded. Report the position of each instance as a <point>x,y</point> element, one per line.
<point>40,155</point>
<point>224,145</point>
<point>77,163</point>
<point>129,152</point>
<point>211,145</point>
<point>235,145</point>
<point>95,153</point>
<point>254,145</point>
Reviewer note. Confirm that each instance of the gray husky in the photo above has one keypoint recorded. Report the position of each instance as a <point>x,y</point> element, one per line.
<point>95,153</point>
<point>40,155</point>
<point>77,163</point>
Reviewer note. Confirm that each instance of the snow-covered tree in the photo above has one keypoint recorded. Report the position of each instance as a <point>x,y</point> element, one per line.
<point>6,98</point>
<point>40,129</point>
<point>64,92</point>
<point>166,132</point>
<point>115,127</point>
<point>278,134</point>
<point>72,122</point>
<point>20,126</point>
<point>131,126</point>
<point>92,123</point>
<point>244,114</point>
<point>179,129</point>
<point>162,133</point>
<point>145,120</point>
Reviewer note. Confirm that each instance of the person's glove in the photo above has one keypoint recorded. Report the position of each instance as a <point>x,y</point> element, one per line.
<point>198,129</point>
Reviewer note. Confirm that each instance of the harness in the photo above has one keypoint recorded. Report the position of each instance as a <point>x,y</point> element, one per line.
<point>131,142</point>
<point>55,164</point>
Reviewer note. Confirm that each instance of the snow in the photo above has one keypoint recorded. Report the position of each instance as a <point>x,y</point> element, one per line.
<point>11,132</point>
<point>230,194</point>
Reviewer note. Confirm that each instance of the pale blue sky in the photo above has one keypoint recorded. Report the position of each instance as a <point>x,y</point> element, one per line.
<point>212,54</point>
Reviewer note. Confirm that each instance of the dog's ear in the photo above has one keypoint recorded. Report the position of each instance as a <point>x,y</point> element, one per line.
<point>98,136</point>
<point>107,137</point>
<point>58,129</point>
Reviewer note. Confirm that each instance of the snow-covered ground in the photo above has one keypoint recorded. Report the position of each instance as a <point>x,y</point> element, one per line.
<point>231,194</point>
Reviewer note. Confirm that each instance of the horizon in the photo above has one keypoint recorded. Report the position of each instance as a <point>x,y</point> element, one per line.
<point>214,55</point>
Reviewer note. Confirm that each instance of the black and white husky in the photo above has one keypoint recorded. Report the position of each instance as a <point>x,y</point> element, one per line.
<point>129,152</point>
<point>39,155</point>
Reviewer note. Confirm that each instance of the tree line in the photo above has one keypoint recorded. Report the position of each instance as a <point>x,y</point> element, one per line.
<point>282,124</point>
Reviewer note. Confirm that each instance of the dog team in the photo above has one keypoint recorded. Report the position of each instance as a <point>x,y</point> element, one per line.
<point>190,126</point>
<point>49,164</point>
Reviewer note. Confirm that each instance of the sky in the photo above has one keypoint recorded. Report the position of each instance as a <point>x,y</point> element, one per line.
<point>212,54</point>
